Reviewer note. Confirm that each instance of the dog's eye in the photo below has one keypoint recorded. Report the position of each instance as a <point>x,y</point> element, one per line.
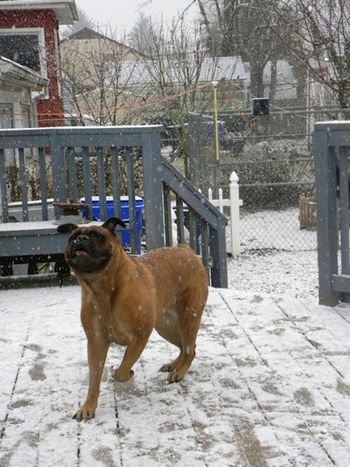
<point>96,235</point>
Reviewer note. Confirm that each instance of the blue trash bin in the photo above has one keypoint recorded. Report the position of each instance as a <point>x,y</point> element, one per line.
<point>124,207</point>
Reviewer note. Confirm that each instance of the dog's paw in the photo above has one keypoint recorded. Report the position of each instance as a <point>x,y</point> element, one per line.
<point>122,376</point>
<point>84,413</point>
<point>166,368</point>
<point>176,376</point>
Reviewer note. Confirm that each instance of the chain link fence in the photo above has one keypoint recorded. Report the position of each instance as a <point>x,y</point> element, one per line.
<point>272,156</point>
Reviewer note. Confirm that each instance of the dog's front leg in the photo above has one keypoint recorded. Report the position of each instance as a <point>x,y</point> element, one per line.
<point>132,353</point>
<point>97,352</point>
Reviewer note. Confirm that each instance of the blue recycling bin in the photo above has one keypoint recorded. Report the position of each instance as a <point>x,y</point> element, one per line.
<point>124,207</point>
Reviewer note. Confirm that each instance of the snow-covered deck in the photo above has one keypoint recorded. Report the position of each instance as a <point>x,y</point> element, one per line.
<point>270,387</point>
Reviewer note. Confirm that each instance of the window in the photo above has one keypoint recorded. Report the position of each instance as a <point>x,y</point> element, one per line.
<point>26,115</point>
<point>25,46</point>
<point>6,115</point>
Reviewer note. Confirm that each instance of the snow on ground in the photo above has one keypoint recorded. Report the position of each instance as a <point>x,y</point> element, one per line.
<point>277,256</point>
<point>278,273</point>
<point>275,230</point>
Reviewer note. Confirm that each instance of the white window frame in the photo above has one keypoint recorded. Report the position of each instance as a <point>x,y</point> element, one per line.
<point>40,33</point>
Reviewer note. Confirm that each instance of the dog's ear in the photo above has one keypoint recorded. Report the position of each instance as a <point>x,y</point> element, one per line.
<point>112,223</point>
<point>66,228</point>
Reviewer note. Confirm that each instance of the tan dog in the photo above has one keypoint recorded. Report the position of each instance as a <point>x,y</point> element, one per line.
<point>124,298</point>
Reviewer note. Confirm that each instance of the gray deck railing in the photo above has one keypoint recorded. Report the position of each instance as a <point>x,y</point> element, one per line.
<point>332,150</point>
<point>83,162</point>
<point>205,223</point>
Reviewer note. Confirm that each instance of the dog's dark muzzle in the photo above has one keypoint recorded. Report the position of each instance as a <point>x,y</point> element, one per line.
<point>85,256</point>
<point>82,246</point>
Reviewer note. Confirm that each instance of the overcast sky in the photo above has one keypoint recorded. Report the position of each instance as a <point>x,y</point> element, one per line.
<point>122,14</point>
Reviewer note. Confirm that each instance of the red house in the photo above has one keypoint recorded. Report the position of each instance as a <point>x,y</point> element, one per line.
<point>29,36</point>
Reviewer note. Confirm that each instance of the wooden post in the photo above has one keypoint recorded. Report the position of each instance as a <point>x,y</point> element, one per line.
<point>307,212</point>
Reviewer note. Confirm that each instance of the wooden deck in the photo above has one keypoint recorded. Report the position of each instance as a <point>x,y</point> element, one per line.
<point>270,387</point>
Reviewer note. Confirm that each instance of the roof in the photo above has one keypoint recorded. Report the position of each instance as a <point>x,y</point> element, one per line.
<point>65,10</point>
<point>227,68</point>
<point>90,34</point>
<point>19,74</point>
<point>87,33</point>
<point>219,68</point>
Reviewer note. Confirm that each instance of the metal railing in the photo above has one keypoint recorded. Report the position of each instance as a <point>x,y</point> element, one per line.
<point>332,150</point>
<point>107,162</point>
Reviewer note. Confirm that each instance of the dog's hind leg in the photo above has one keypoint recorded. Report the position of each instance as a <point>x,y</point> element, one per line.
<point>168,328</point>
<point>190,309</point>
<point>182,331</point>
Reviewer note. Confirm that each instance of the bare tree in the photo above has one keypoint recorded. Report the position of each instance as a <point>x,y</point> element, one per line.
<point>141,32</point>
<point>180,74</point>
<point>179,70</point>
<point>248,29</point>
<point>99,78</point>
<point>322,28</point>
<point>112,83</point>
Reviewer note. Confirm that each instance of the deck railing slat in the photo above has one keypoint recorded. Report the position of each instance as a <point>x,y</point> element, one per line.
<point>58,174</point>
<point>344,208</point>
<point>205,245</point>
<point>192,227</point>
<point>180,220</point>
<point>168,216</point>
<point>116,181</point>
<point>72,169</point>
<point>43,183</point>
<point>87,179</point>
<point>132,203</point>
<point>101,174</point>
<point>3,190</point>
<point>23,184</point>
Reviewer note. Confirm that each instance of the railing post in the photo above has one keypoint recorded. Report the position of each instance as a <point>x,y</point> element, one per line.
<point>235,203</point>
<point>327,232</point>
<point>58,171</point>
<point>153,190</point>
<point>217,242</point>
<point>3,191</point>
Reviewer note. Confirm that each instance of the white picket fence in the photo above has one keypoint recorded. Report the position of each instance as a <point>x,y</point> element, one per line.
<point>234,204</point>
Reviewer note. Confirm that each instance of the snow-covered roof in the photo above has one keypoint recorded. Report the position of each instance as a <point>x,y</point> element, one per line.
<point>228,68</point>
<point>65,10</point>
<point>19,74</point>
<point>90,34</point>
